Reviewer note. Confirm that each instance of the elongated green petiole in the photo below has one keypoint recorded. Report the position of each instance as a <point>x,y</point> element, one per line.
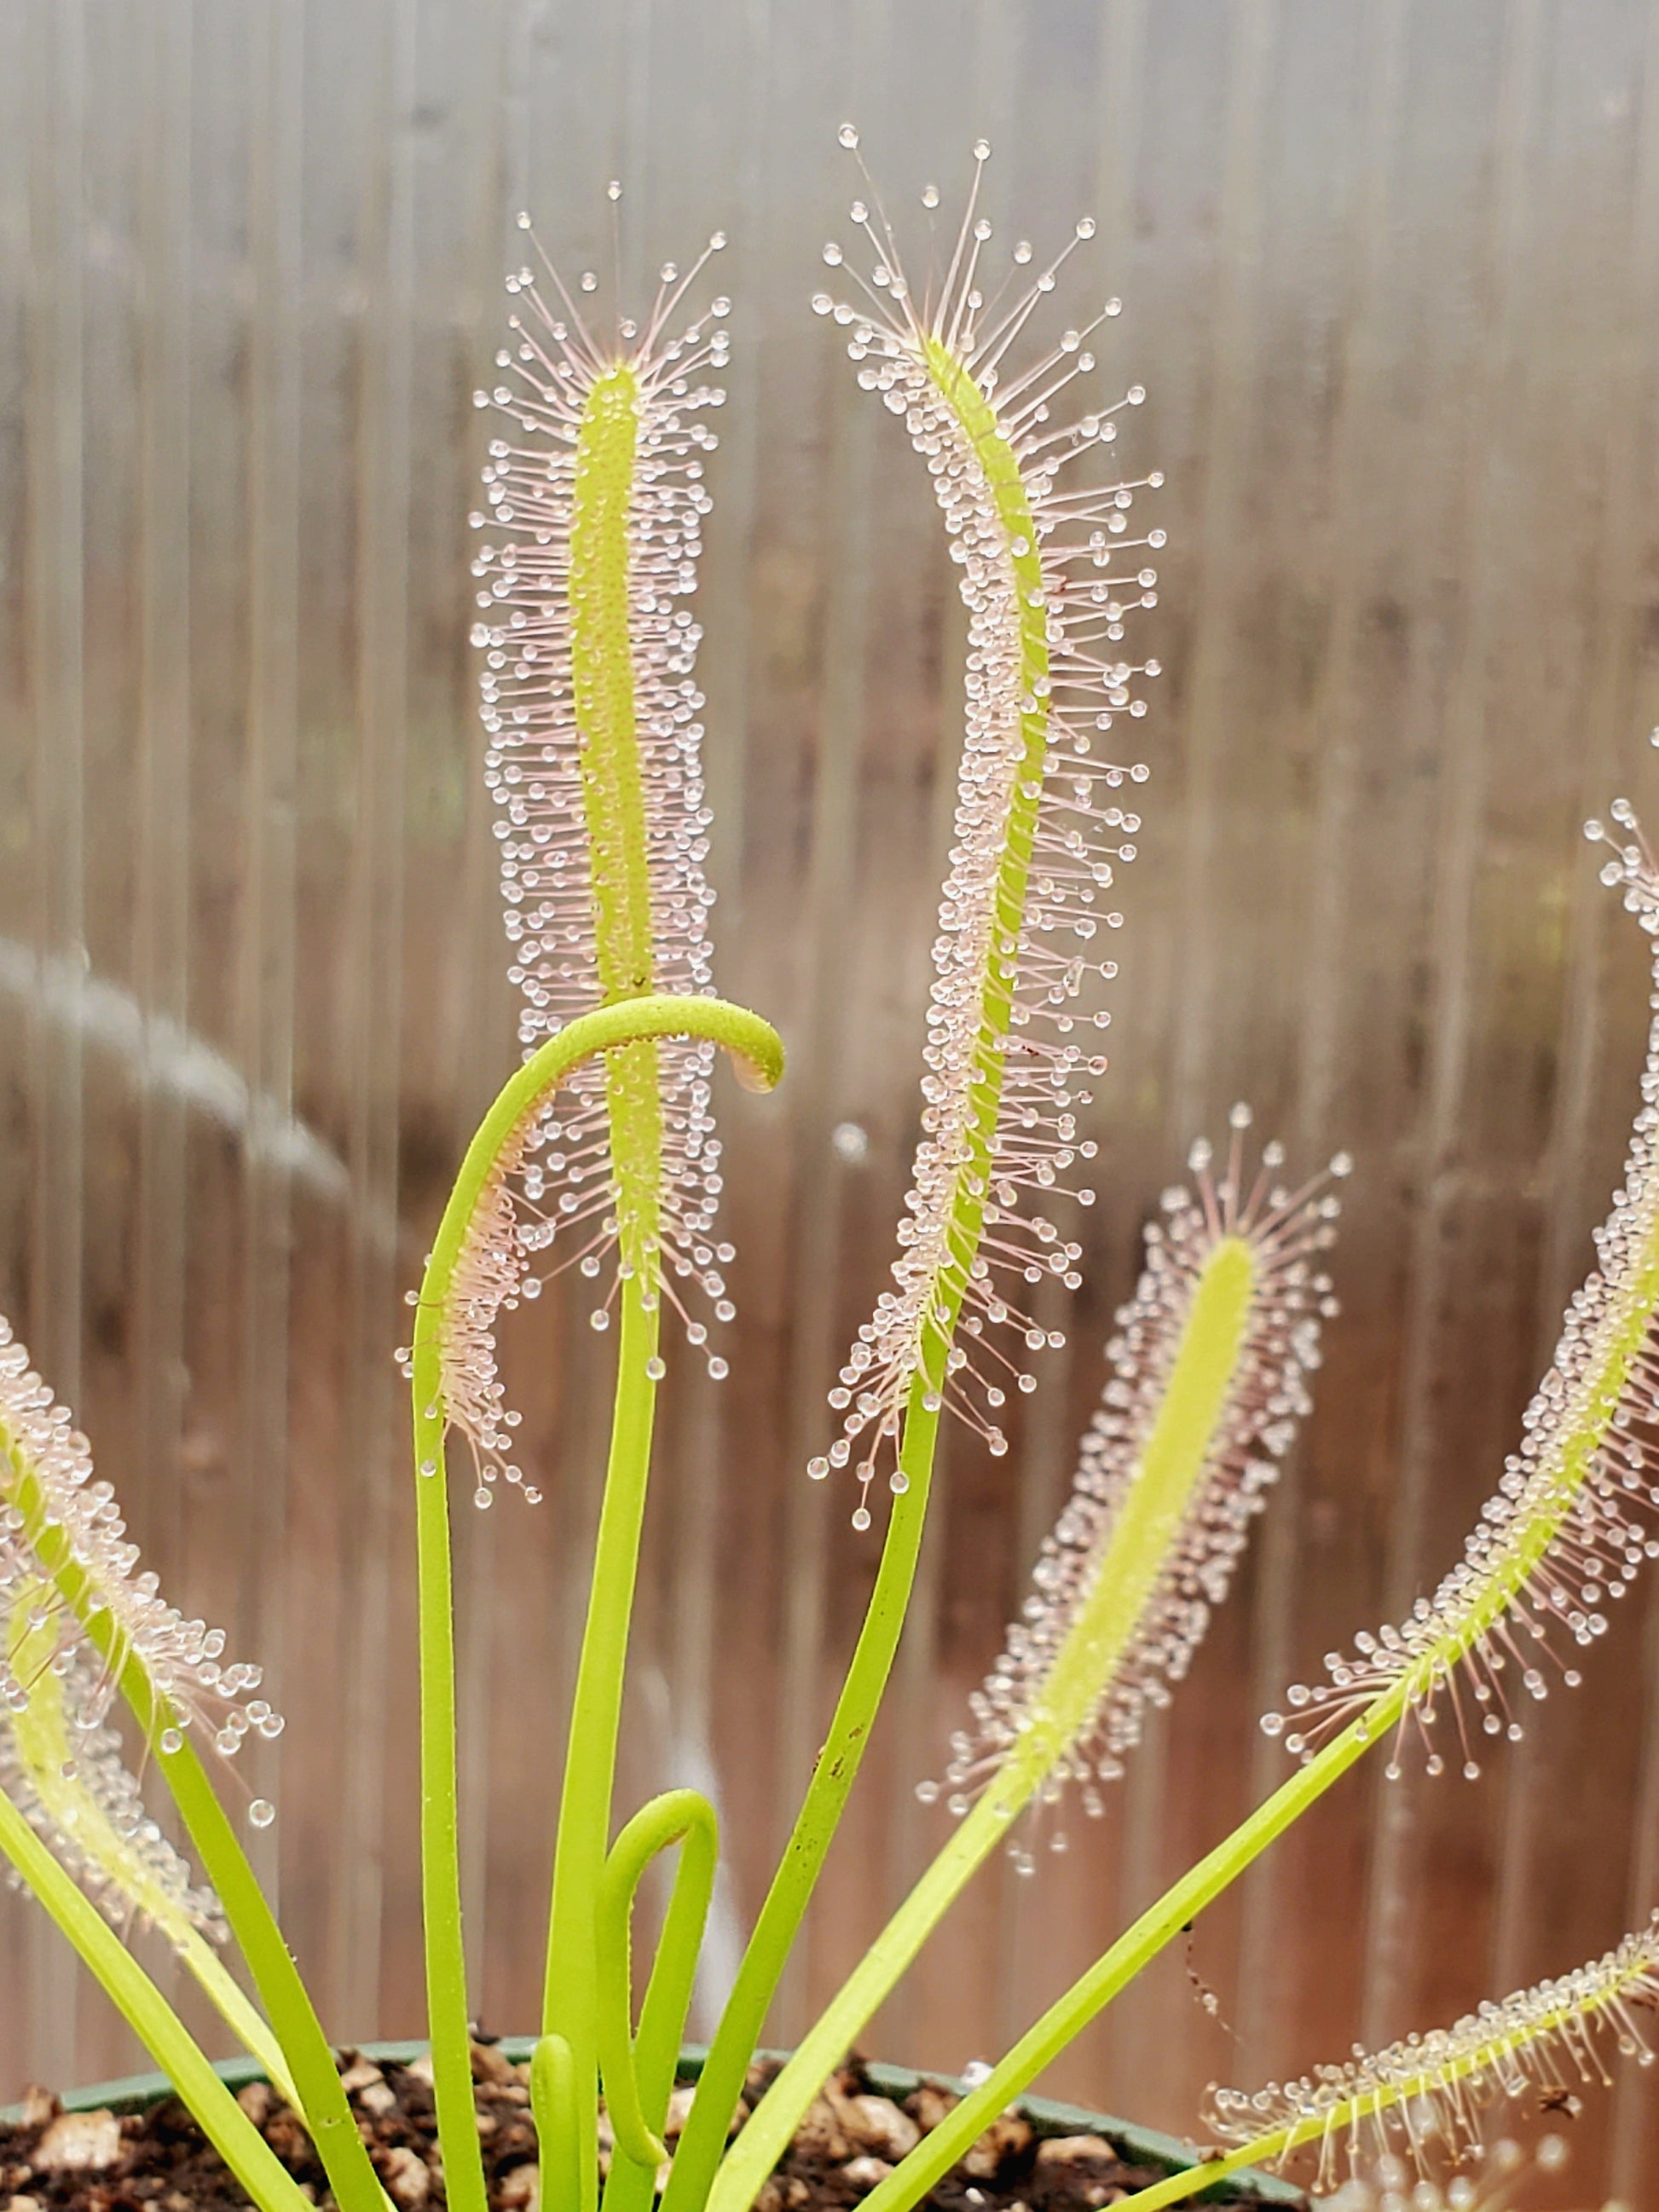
<point>1172,1463</point>
<point>45,1756</point>
<point>570,2004</point>
<point>1042,2043</point>
<point>146,2012</point>
<point>321,2100</point>
<point>755,1048</point>
<point>721,2082</point>
<point>553,2108</point>
<point>1187,2182</point>
<point>638,2072</point>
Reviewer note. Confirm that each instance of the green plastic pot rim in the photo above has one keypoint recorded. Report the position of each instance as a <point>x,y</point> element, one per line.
<point>1144,2146</point>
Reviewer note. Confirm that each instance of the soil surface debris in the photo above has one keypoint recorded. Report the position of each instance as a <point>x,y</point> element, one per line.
<point>852,2137</point>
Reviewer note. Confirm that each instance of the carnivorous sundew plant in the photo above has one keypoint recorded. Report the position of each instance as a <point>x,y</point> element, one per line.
<point>599,1156</point>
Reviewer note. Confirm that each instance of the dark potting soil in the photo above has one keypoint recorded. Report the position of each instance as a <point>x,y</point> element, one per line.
<point>101,2161</point>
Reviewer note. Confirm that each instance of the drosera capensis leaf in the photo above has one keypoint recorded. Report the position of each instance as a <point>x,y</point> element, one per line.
<point>1425,2098</point>
<point>111,1634</point>
<point>1037,829</point>
<point>597,503</point>
<point>47,1482</point>
<point>71,1783</point>
<point>592,708</point>
<point>1208,1367</point>
<point>1577,1513</point>
<point>1210,1360</point>
<point>146,2011</point>
<point>1049,580</point>
<point>1570,1515</point>
<point>461,1249</point>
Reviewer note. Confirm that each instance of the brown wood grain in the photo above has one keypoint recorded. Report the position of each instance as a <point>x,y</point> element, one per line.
<point>1391,272</point>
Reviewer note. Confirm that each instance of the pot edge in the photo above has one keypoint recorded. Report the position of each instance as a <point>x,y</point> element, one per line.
<point>1146,2146</point>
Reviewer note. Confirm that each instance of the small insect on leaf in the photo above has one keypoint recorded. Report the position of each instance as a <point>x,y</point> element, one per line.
<point>1209,1366</point>
<point>1574,1518</point>
<point>1426,2097</point>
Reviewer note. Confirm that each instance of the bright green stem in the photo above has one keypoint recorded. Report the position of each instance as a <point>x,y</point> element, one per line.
<point>41,1744</point>
<point>1171,1466</point>
<point>638,2072</point>
<point>758,1057</point>
<point>1043,2042</point>
<point>310,2062</point>
<point>1505,1579</point>
<point>570,2002</point>
<point>1187,2182</point>
<point>553,2108</point>
<point>1485,2059</point>
<point>147,2013</point>
<point>721,2084</point>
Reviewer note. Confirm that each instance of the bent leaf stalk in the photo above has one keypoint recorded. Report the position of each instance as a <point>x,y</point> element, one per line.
<point>468,1223</point>
<point>639,2069</point>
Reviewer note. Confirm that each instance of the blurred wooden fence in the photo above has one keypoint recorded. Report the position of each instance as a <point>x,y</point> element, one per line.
<point>1391,271</point>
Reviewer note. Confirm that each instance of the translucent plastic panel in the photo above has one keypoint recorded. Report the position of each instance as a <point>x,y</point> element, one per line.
<point>1391,276</point>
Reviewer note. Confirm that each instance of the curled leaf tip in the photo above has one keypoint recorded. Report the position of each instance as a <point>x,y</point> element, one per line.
<point>484,1258</point>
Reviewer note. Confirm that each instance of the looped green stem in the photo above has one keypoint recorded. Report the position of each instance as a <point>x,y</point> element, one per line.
<point>757,1053</point>
<point>638,2072</point>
